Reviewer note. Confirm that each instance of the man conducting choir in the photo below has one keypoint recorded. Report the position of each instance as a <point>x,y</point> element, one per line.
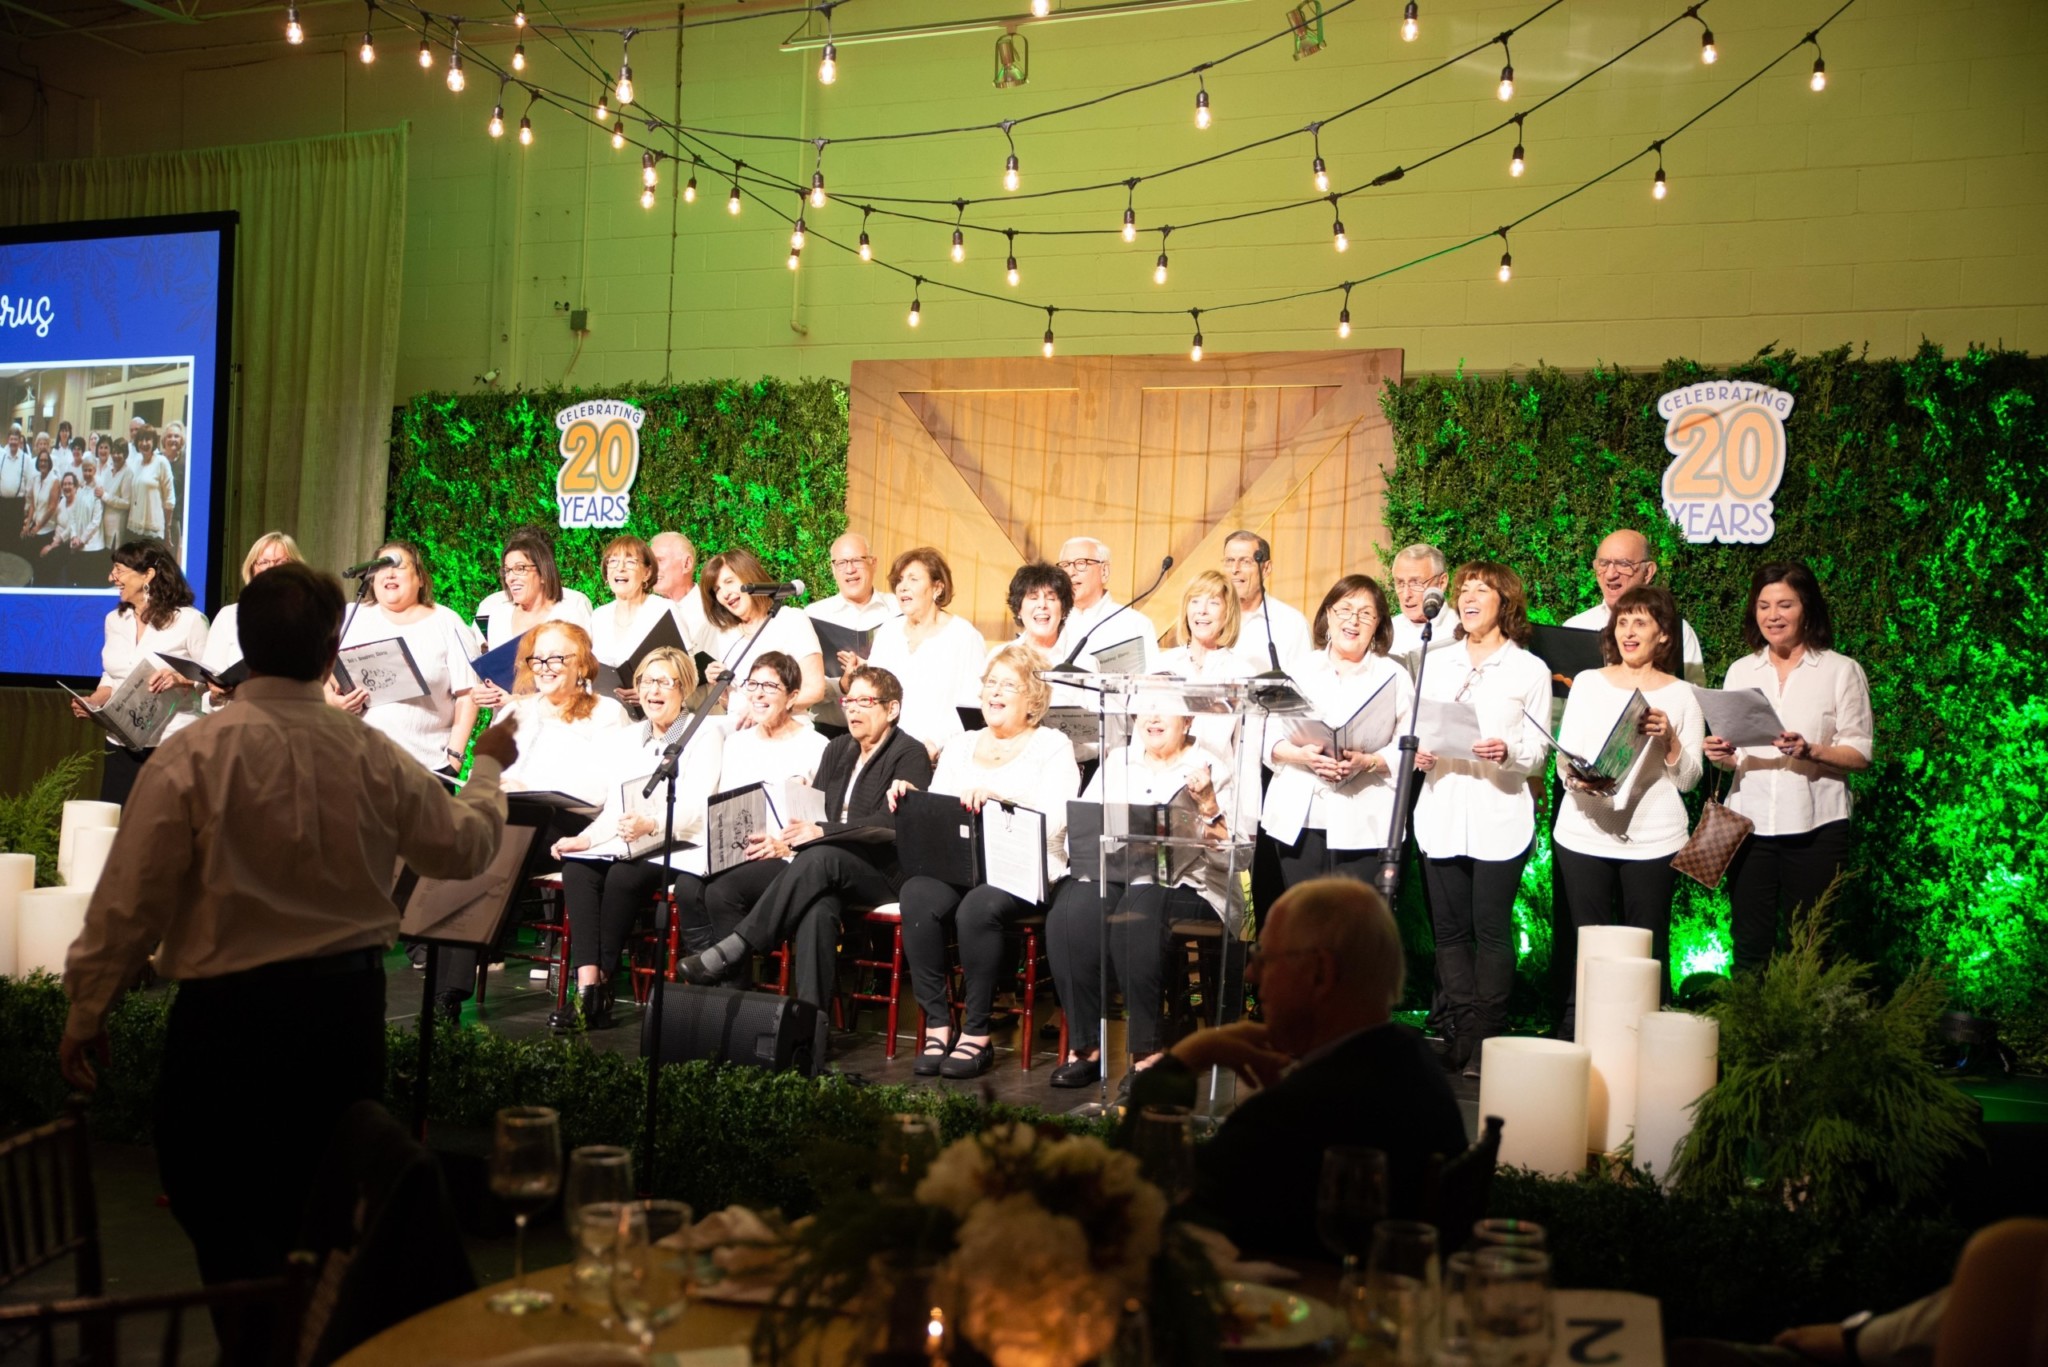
<point>255,859</point>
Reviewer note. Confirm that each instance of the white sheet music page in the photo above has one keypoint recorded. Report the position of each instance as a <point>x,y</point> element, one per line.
<point>1013,848</point>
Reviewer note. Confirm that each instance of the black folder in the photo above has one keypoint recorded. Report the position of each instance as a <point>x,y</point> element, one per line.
<point>936,837</point>
<point>199,673</point>
<point>833,638</point>
<point>1566,652</point>
<point>610,679</point>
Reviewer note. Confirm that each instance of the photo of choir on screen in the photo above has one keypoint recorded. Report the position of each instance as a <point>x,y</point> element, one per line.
<point>69,497</point>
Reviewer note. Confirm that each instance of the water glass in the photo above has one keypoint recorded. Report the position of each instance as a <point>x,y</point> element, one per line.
<point>597,1233</point>
<point>1509,1304</point>
<point>1454,1343</point>
<point>650,1279</point>
<point>1351,1199</point>
<point>909,1144</point>
<point>1402,1292</point>
<point>1508,1232</point>
<point>1165,1149</point>
<point>526,1174</point>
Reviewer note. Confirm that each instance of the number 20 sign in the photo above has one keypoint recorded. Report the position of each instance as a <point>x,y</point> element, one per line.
<point>1727,444</point>
<point>600,450</point>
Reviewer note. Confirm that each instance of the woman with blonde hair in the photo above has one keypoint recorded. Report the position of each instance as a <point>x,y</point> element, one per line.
<point>434,727</point>
<point>223,638</point>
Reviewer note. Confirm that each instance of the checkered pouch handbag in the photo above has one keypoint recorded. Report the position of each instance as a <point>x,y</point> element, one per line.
<point>1712,845</point>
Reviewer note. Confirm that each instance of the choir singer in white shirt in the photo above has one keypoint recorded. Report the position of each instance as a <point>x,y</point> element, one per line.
<point>936,655</point>
<point>1248,560</point>
<point>1623,561</point>
<point>155,616</point>
<point>224,637</point>
<point>1416,570</point>
<point>1795,789</point>
<point>433,728</point>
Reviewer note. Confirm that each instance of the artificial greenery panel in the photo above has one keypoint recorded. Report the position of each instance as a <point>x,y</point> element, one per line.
<point>1915,489</point>
<point>757,465</point>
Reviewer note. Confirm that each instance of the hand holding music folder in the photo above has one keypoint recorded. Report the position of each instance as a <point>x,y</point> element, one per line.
<point>384,669</point>
<point>833,638</point>
<point>225,680</point>
<point>133,718</point>
<point>501,665</point>
<point>1740,716</point>
<point>1617,753</point>
<point>1367,730</point>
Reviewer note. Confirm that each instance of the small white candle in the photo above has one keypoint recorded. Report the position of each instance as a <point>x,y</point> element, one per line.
<point>1537,1086</point>
<point>78,814</point>
<point>17,875</point>
<point>1602,942</point>
<point>1618,993</point>
<point>50,919</point>
<point>1680,1058</point>
<point>89,856</point>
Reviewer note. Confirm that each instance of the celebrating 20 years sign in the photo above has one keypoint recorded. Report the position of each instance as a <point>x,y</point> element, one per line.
<point>1727,444</point>
<point>600,450</point>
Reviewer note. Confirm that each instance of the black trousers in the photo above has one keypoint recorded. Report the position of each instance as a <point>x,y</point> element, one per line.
<point>1616,892</point>
<point>1472,906</point>
<point>1311,856</point>
<point>603,898</point>
<point>1775,875</point>
<point>805,905</point>
<point>979,916</point>
<point>119,771</point>
<point>693,920</point>
<point>258,1068</point>
<point>1133,924</point>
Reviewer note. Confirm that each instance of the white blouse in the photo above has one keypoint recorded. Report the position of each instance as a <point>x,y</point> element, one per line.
<point>563,756</point>
<point>1358,814</point>
<point>789,631</point>
<point>117,490</point>
<point>496,613</point>
<point>1826,699</point>
<point>1472,807</point>
<point>939,676</point>
<point>613,638</point>
<point>79,521</point>
<point>1104,625</point>
<point>42,501</point>
<point>1130,775</point>
<point>441,645</point>
<point>635,753</point>
<point>122,653</point>
<point>153,496</point>
<point>1645,817</point>
<point>1042,776</point>
<point>752,757</point>
<point>1291,635</point>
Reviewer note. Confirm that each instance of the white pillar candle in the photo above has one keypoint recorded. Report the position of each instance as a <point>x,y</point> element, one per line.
<point>78,814</point>
<point>1602,942</point>
<point>89,856</point>
<point>17,875</point>
<point>50,919</point>
<point>1618,994</point>
<point>1537,1086</point>
<point>1680,1057</point>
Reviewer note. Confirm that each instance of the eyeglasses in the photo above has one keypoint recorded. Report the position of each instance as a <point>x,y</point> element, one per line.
<point>764,686</point>
<point>853,563</point>
<point>1415,585</point>
<point>1465,689</point>
<point>1002,688</point>
<point>518,571</point>
<point>1071,565</point>
<point>857,703</point>
<point>623,562</point>
<point>547,664</point>
<point>1344,616</point>
<point>1625,566</point>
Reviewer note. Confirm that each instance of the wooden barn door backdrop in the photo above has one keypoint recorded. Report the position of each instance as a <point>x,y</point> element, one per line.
<point>998,461</point>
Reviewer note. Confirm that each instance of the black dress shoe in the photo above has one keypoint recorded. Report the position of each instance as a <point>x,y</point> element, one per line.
<point>594,1002</point>
<point>696,971</point>
<point>448,1006</point>
<point>976,1060</point>
<point>931,1055</point>
<point>1080,1072</point>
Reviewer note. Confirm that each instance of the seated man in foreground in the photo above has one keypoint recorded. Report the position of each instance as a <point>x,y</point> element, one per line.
<point>1331,1066</point>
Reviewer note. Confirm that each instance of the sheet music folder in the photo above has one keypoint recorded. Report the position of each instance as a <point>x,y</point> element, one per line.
<point>612,678</point>
<point>833,638</point>
<point>936,837</point>
<point>1566,652</point>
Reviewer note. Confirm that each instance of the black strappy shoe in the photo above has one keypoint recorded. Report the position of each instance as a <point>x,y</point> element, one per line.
<point>931,1056</point>
<point>978,1059</point>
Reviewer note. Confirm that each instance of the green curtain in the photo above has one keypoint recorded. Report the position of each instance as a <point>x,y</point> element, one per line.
<point>314,347</point>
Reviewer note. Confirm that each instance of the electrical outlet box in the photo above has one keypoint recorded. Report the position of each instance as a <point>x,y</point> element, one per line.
<point>579,320</point>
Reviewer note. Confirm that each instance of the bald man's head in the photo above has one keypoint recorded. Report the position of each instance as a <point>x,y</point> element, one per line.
<point>675,564</point>
<point>1622,562</point>
<point>853,568</point>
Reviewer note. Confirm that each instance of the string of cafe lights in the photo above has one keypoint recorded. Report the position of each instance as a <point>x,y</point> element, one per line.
<point>800,236</point>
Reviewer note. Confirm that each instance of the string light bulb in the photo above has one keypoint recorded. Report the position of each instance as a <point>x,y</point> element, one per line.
<point>1318,172</point>
<point>525,131</point>
<point>519,56</point>
<point>624,89</point>
<point>690,186</point>
<point>1507,261</point>
<point>1410,24</point>
<point>1010,179</point>
<point>647,198</point>
<point>1195,348</point>
<point>456,79</point>
<point>1344,316</point>
<point>1506,89</point>
<point>817,189</point>
<point>426,55</point>
<point>1659,186</point>
<point>1819,80</point>
<point>1708,53</point>
<point>1159,270</point>
<point>1010,265</point>
<point>604,108</point>
<point>648,176</point>
<point>294,31</point>
<point>1201,103</point>
<point>1337,234</point>
<point>1130,225</point>
<point>1046,347</point>
<point>959,251</point>
<point>796,234</point>
<point>866,248</point>
<point>619,136</point>
<point>828,63</point>
<point>916,304</point>
<point>519,15</point>
<point>368,51</point>
<point>497,124</point>
<point>732,201</point>
<point>795,255</point>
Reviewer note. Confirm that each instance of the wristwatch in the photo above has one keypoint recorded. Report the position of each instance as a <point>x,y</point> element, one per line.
<point>1852,1327</point>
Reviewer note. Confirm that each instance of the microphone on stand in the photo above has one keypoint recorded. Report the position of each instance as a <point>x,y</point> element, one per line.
<point>1432,604</point>
<point>781,588</point>
<point>1067,666</point>
<point>1266,611</point>
<point>368,567</point>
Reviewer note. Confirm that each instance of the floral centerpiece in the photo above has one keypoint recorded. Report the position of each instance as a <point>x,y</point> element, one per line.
<point>1036,1239</point>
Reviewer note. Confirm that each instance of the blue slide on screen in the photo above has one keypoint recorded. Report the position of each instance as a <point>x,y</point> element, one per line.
<point>113,338</point>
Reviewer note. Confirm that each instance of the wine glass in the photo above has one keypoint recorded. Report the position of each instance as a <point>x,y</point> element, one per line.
<point>1165,1148</point>
<point>909,1144</point>
<point>1351,1199</point>
<point>1509,1306</point>
<point>526,1173</point>
<point>1508,1232</point>
<point>650,1278</point>
<point>1402,1290</point>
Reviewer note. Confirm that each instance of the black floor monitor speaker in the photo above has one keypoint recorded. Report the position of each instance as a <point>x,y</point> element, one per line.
<point>727,1025</point>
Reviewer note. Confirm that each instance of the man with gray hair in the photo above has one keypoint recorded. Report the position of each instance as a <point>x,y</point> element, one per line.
<point>675,578</point>
<point>1090,629</point>
<point>1331,1067</point>
<point>1416,570</point>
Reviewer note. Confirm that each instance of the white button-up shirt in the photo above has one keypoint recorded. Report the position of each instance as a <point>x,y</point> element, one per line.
<point>1290,634</point>
<point>123,652</point>
<point>939,676</point>
<point>1595,618</point>
<point>841,611</point>
<point>1359,814</point>
<point>17,469</point>
<point>1644,818</point>
<point>1408,635</point>
<point>1826,699</point>
<point>1472,807</point>
<point>269,833</point>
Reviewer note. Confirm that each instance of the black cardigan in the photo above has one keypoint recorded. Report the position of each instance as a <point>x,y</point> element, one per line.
<point>901,756</point>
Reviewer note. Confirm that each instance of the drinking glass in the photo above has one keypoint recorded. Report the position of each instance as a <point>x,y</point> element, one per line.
<point>526,1173</point>
<point>1165,1148</point>
<point>909,1144</point>
<point>1508,1232</point>
<point>1509,1305</point>
<point>599,1175</point>
<point>650,1279</point>
<point>1454,1343</point>
<point>1402,1291</point>
<point>597,1234</point>
<point>1351,1199</point>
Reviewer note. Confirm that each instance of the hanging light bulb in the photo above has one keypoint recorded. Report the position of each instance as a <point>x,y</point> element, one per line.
<point>525,131</point>
<point>1337,234</point>
<point>1010,180</point>
<point>959,246</point>
<point>916,305</point>
<point>1819,79</point>
<point>1159,269</point>
<point>690,186</point>
<point>1708,53</point>
<point>1506,89</point>
<point>647,198</point>
<point>1410,25</point>
<point>732,201</point>
<point>1660,187</point>
<point>619,136</point>
<point>1322,177</point>
<point>817,189</point>
<point>294,31</point>
<point>426,55</point>
<point>1507,262</point>
<point>519,56</point>
<point>1195,348</point>
<point>1047,347</point>
<point>1202,106</point>
<point>648,177</point>
<point>1516,164</point>
<point>604,108</point>
<point>368,51</point>
<point>867,249</point>
<point>624,89</point>
<point>519,15</point>
<point>1130,225</point>
<point>795,254</point>
<point>828,63</point>
<point>497,123</point>
<point>1010,264</point>
<point>456,79</point>
<point>796,234</point>
<point>1344,322</point>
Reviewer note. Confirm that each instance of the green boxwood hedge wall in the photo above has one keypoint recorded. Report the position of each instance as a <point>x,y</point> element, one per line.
<point>1918,491</point>
<point>758,465</point>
